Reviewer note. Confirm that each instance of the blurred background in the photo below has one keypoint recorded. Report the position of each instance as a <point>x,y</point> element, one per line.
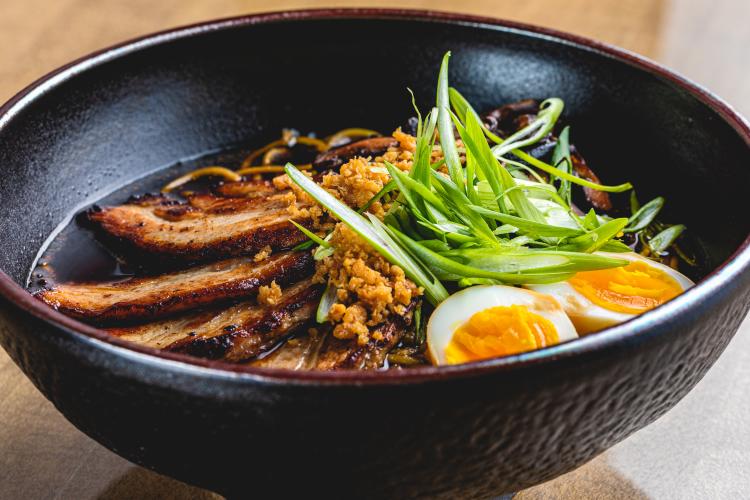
<point>707,40</point>
<point>699,450</point>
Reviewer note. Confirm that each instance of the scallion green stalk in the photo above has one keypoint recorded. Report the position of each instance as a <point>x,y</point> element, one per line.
<point>445,126</point>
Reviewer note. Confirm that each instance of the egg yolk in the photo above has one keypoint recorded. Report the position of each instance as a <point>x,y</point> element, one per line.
<point>634,288</point>
<point>499,331</point>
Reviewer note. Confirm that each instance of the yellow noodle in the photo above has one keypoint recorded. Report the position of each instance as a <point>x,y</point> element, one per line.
<point>227,174</point>
<point>307,141</point>
<point>348,133</point>
<point>265,169</point>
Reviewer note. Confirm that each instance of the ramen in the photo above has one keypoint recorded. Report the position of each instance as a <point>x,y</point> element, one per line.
<point>457,238</point>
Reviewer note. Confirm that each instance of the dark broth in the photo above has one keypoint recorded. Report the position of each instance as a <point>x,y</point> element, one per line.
<point>75,255</point>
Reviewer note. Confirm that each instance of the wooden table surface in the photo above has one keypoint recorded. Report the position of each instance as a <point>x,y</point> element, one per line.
<point>701,449</point>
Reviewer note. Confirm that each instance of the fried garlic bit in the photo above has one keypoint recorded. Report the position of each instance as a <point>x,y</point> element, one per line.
<point>369,289</point>
<point>269,295</point>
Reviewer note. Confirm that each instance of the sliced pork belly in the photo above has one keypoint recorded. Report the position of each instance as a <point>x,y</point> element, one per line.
<point>338,354</point>
<point>206,227</point>
<point>297,353</point>
<point>246,189</point>
<point>233,334</point>
<point>325,352</point>
<point>148,298</point>
<point>334,158</point>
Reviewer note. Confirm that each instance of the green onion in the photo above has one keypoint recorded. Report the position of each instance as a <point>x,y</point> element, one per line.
<point>549,112</point>
<point>461,208</point>
<point>305,245</point>
<point>561,160</point>
<point>321,253</point>
<point>665,239</point>
<point>486,172</point>
<point>421,166</point>
<point>505,229</point>
<point>449,269</point>
<point>314,237</point>
<point>536,189</point>
<point>528,226</point>
<point>497,174</point>
<point>487,165</point>
<point>419,326</point>
<point>615,246</point>
<point>435,245</point>
<point>590,220</point>
<point>325,304</point>
<point>413,190</point>
<point>644,216</point>
<point>390,186</point>
<point>594,240</point>
<point>445,126</point>
<point>462,107</point>
<point>467,282</point>
<point>555,172</point>
<point>532,261</point>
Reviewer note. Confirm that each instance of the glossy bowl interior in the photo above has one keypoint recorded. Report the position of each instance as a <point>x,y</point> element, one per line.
<point>477,430</point>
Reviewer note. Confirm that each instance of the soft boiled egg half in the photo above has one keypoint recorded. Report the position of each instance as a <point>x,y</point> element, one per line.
<point>484,322</point>
<point>598,299</point>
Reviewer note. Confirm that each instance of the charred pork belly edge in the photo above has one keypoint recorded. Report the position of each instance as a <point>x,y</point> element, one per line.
<point>180,291</point>
<point>135,236</point>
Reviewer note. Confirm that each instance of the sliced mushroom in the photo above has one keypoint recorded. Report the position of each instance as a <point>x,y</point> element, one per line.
<point>598,199</point>
<point>509,118</point>
<point>277,156</point>
<point>502,121</point>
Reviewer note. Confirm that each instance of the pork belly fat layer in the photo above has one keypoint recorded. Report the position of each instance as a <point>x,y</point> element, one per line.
<point>206,227</point>
<point>325,352</point>
<point>245,189</point>
<point>148,298</point>
<point>234,334</point>
<point>338,354</point>
<point>297,353</point>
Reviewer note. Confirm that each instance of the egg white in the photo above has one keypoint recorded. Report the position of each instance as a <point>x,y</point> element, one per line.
<point>589,317</point>
<point>459,307</point>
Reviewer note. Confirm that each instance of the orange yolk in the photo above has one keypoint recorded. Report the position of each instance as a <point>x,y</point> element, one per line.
<point>634,288</point>
<point>499,331</point>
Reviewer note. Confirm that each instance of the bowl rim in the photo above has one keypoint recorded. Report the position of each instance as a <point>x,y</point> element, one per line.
<point>636,328</point>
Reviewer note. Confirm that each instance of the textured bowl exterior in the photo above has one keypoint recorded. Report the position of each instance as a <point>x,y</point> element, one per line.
<point>473,431</point>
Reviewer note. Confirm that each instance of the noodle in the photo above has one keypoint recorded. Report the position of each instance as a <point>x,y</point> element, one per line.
<point>224,172</point>
<point>349,133</point>
<point>287,140</point>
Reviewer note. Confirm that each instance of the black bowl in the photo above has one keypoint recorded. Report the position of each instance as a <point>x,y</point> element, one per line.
<point>471,431</point>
